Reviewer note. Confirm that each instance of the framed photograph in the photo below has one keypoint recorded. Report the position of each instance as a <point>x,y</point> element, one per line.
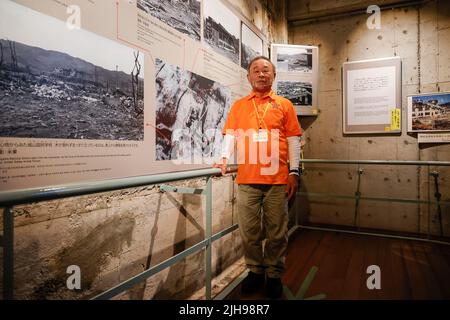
<point>372,97</point>
<point>429,112</point>
<point>297,76</point>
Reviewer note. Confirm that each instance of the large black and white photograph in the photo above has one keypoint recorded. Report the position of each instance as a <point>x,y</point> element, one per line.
<point>429,112</point>
<point>190,113</point>
<point>251,46</point>
<point>182,15</point>
<point>294,60</point>
<point>299,93</point>
<point>222,29</point>
<point>66,84</point>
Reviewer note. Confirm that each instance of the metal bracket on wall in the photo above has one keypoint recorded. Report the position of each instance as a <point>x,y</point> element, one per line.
<point>207,192</point>
<point>358,197</point>
<point>438,195</point>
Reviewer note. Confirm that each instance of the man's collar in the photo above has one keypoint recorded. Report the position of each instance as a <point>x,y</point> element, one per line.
<point>253,95</point>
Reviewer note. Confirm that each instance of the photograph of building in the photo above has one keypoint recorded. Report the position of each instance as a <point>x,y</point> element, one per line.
<point>430,112</point>
<point>221,29</point>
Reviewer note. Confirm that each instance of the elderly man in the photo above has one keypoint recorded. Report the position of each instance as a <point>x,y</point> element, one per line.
<point>266,130</point>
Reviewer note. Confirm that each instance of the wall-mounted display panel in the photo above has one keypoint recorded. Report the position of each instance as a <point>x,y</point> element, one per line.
<point>372,96</point>
<point>297,76</point>
<point>115,88</point>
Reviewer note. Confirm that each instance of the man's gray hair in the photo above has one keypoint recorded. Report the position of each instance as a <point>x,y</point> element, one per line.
<point>259,58</point>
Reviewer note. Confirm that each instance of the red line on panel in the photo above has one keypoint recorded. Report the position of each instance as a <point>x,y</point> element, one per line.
<point>159,132</point>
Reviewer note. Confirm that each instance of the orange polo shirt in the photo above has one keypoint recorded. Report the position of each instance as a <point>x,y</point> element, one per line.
<point>261,127</point>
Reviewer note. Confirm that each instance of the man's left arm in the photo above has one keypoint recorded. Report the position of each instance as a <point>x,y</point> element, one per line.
<point>293,133</point>
<point>294,160</point>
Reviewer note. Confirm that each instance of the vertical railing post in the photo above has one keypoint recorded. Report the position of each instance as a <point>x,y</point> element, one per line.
<point>438,195</point>
<point>208,255</point>
<point>358,196</point>
<point>8,254</point>
<point>429,202</point>
<point>296,211</point>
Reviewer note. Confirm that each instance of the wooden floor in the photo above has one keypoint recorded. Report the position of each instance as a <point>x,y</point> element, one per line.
<point>409,269</point>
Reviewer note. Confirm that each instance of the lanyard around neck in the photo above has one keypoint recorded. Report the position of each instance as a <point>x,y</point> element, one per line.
<point>260,120</point>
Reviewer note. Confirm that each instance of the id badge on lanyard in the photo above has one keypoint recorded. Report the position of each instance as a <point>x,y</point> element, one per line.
<point>261,136</point>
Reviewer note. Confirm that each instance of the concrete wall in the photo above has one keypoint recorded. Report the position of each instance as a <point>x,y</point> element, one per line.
<point>116,235</point>
<point>420,36</point>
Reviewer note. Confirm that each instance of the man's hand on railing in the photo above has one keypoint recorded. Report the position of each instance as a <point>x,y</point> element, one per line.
<point>223,166</point>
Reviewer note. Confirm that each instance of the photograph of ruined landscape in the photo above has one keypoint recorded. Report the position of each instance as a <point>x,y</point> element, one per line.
<point>190,110</point>
<point>429,112</point>
<point>300,93</point>
<point>294,60</point>
<point>183,15</point>
<point>222,29</point>
<point>49,94</point>
<point>51,87</point>
<point>252,46</point>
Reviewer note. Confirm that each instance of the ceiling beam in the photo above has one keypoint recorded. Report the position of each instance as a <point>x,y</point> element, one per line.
<point>320,15</point>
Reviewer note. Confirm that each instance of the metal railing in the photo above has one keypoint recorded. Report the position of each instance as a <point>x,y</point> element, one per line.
<point>8,199</point>
<point>358,196</point>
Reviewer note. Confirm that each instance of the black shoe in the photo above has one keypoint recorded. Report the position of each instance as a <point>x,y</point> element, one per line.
<point>274,288</point>
<point>252,283</point>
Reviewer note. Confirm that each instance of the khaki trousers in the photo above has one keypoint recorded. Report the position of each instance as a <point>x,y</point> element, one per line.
<point>270,223</point>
